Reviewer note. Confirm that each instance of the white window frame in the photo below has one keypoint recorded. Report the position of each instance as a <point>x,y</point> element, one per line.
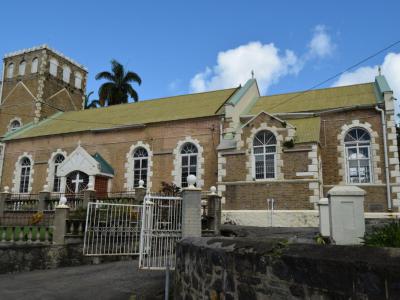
<point>140,160</point>
<point>189,165</point>
<point>357,145</point>
<point>55,177</point>
<point>35,65</point>
<point>264,153</point>
<point>129,166</point>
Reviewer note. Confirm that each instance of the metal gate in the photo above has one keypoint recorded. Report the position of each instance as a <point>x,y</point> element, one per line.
<point>112,229</point>
<point>161,229</point>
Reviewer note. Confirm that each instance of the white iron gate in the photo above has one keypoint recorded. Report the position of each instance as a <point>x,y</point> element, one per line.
<point>112,229</point>
<point>161,229</point>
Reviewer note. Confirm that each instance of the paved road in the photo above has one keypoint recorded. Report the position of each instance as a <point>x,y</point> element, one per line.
<point>117,280</point>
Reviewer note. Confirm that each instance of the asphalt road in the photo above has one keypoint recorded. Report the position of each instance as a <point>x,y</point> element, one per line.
<point>117,280</point>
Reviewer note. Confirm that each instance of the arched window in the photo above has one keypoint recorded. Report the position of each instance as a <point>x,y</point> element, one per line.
<point>14,125</point>
<point>53,66</point>
<point>77,181</point>
<point>10,70</point>
<point>264,151</point>
<point>34,66</point>
<point>25,174</point>
<point>358,156</point>
<point>78,80</point>
<point>57,180</point>
<point>66,73</point>
<point>189,160</point>
<point>21,69</point>
<point>140,166</point>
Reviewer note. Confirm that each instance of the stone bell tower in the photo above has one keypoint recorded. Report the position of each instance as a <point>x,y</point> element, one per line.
<point>37,83</point>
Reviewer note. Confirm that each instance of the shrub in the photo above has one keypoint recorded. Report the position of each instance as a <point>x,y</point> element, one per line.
<point>386,236</point>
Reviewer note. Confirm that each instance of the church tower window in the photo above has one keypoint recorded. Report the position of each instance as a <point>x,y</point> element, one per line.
<point>34,66</point>
<point>78,80</point>
<point>10,70</point>
<point>66,73</point>
<point>22,66</point>
<point>53,66</point>
<point>14,125</point>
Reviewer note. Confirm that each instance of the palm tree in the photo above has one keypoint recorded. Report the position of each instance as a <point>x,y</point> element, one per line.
<point>93,103</point>
<point>118,89</point>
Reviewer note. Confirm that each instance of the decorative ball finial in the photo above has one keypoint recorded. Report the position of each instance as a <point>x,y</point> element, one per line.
<point>191,180</point>
<point>141,183</point>
<point>62,203</point>
<point>90,186</point>
<point>213,189</point>
<point>45,188</point>
<point>6,189</point>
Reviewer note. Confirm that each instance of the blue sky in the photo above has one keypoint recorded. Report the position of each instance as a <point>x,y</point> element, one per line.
<point>185,46</point>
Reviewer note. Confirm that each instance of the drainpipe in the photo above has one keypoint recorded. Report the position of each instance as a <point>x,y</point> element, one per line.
<point>385,150</point>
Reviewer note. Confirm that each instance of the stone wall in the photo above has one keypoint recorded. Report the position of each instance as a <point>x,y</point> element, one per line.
<point>25,257</point>
<point>241,268</point>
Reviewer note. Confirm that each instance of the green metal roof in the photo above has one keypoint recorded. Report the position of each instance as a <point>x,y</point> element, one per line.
<point>149,111</point>
<point>382,84</point>
<point>316,100</point>
<point>105,167</point>
<point>307,129</point>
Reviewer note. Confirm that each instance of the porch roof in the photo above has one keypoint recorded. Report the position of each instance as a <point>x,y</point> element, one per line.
<point>105,167</point>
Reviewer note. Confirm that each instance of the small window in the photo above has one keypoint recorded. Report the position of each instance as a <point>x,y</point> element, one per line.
<point>78,80</point>
<point>264,151</point>
<point>66,73</point>
<point>25,175</point>
<point>15,125</point>
<point>53,66</point>
<point>358,156</point>
<point>57,180</point>
<point>189,159</point>
<point>34,67</point>
<point>22,66</point>
<point>10,70</point>
<point>140,166</point>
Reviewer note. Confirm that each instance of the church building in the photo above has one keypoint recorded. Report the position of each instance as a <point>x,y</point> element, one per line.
<point>291,147</point>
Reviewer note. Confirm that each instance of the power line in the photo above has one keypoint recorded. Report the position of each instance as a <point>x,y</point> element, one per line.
<point>338,74</point>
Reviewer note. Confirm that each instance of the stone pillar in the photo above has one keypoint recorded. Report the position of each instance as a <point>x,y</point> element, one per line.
<point>191,209</point>
<point>214,211</point>
<point>323,207</point>
<point>140,193</point>
<point>346,214</point>
<point>89,195</point>
<point>60,222</point>
<point>4,196</point>
<point>44,196</point>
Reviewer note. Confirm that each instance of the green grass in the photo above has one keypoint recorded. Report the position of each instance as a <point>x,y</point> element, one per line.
<point>13,233</point>
<point>386,236</point>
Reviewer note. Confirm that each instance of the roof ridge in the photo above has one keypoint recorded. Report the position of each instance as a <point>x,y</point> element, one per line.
<point>326,88</point>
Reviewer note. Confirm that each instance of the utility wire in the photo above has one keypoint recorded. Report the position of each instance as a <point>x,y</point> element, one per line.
<point>338,74</point>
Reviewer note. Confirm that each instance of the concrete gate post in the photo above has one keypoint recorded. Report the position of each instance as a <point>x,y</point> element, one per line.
<point>89,195</point>
<point>346,214</point>
<point>44,196</point>
<point>60,222</point>
<point>323,208</point>
<point>214,211</point>
<point>140,193</point>
<point>4,196</point>
<point>191,209</point>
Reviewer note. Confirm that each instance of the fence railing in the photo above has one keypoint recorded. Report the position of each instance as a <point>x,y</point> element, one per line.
<point>26,234</point>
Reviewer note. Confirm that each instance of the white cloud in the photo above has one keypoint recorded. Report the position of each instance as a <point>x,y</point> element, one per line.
<point>234,67</point>
<point>321,44</point>
<point>390,68</point>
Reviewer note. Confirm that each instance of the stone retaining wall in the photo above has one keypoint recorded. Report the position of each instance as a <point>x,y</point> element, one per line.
<point>242,268</point>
